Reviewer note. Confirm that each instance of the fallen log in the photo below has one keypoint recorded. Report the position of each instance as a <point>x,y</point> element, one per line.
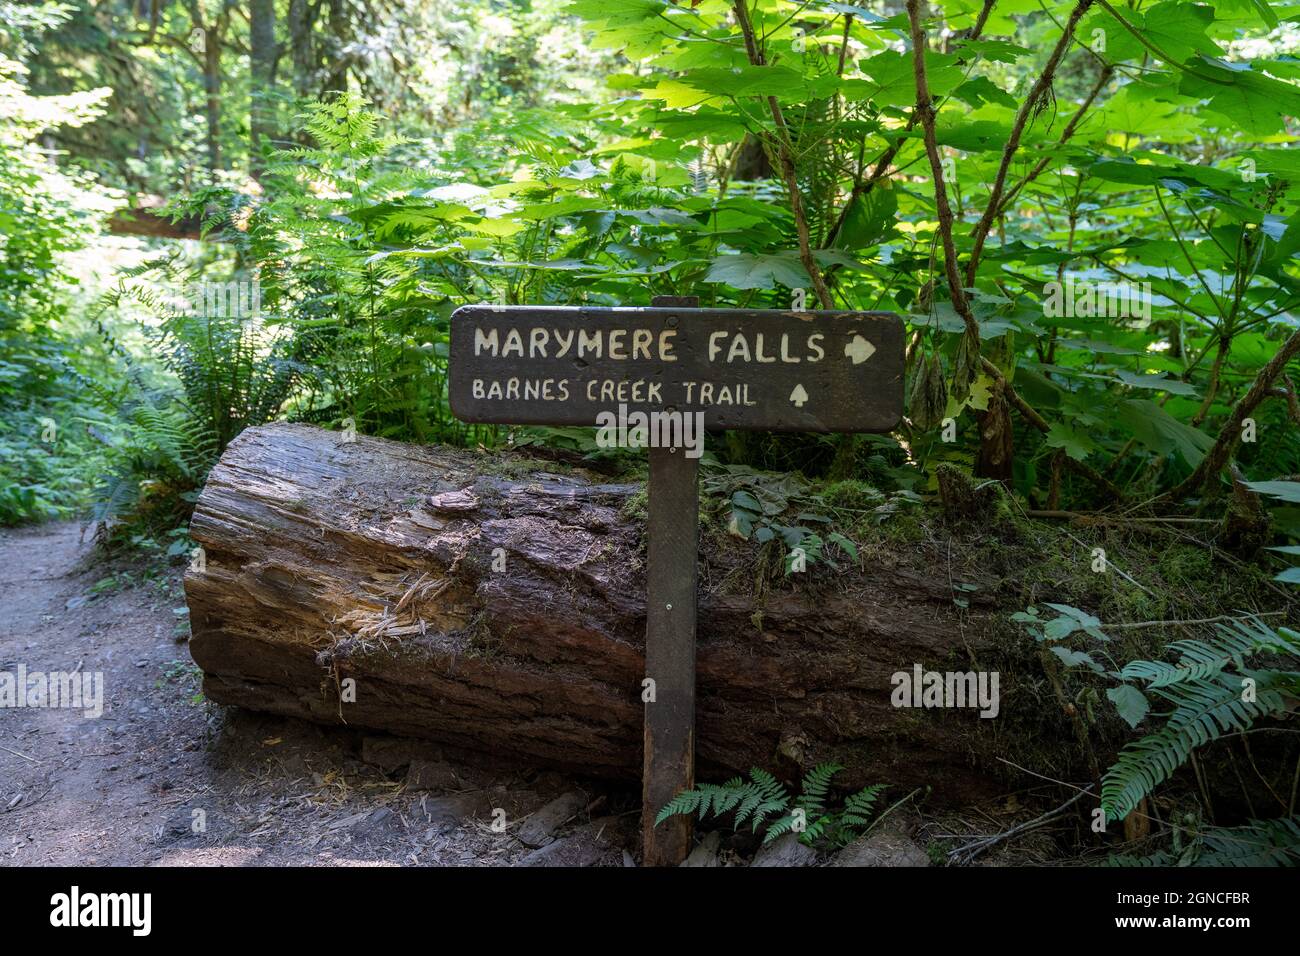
<point>146,219</point>
<point>496,610</point>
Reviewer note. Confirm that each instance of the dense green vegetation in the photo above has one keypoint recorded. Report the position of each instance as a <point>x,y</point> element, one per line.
<point>1086,212</point>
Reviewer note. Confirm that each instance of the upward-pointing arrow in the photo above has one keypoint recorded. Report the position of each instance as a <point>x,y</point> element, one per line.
<point>798,396</point>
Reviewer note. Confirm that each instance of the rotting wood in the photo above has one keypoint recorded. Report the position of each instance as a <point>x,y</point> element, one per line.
<point>327,559</point>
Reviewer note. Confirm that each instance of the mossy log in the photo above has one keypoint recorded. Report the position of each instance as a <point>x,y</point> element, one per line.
<point>506,615</point>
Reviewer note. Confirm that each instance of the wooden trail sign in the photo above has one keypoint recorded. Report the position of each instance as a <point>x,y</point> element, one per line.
<point>730,368</point>
<point>745,369</point>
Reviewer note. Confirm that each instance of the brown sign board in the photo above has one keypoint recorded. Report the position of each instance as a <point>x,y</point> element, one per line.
<point>744,369</point>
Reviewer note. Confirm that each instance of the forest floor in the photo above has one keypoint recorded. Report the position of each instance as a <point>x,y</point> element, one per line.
<point>163,777</point>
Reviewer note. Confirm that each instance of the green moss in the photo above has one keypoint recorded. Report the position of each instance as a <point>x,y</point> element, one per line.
<point>634,509</point>
<point>515,466</point>
<point>480,640</point>
<point>1171,577</point>
<point>850,494</point>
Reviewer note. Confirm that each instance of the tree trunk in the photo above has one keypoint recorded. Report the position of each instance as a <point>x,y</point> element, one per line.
<point>302,48</point>
<point>339,58</point>
<point>261,68</point>
<point>506,615</point>
<point>212,96</point>
<point>751,161</point>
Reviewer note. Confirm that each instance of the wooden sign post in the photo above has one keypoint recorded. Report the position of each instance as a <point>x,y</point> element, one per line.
<point>672,536</point>
<point>676,366</point>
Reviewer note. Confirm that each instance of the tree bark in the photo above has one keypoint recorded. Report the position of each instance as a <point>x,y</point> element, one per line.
<point>300,21</point>
<point>261,69</point>
<point>506,615</point>
<point>211,63</point>
<point>145,220</point>
<point>339,59</point>
<point>751,162</point>
<point>212,90</point>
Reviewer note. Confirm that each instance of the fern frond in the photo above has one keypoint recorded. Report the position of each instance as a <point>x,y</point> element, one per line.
<point>1204,711</point>
<point>709,798</point>
<point>116,496</point>
<point>686,802</point>
<point>767,808</point>
<point>774,797</point>
<point>1159,858</point>
<point>818,828</point>
<point>1258,843</point>
<point>858,807</point>
<point>749,800</point>
<point>1198,660</point>
<point>816,783</point>
<point>766,782</point>
<point>778,827</point>
<point>764,803</point>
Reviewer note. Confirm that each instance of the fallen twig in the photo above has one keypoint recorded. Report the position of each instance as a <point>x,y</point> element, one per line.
<point>964,854</point>
<point>1107,516</point>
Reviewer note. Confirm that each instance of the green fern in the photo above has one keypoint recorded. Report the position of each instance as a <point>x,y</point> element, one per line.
<point>1235,642</point>
<point>1208,701</point>
<point>1161,858</point>
<point>698,801</point>
<point>1258,843</point>
<point>161,445</point>
<point>816,783</point>
<point>229,368</point>
<point>1204,710</point>
<point>858,808</point>
<point>765,804</point>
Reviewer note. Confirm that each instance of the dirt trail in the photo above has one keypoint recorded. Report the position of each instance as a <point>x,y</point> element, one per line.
<point>163,777</point>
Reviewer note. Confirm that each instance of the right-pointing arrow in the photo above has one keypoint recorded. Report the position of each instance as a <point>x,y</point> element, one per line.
<point>859,349</point>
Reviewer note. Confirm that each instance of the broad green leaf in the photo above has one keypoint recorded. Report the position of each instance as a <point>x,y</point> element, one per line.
<point>1288,491</point>
<point>997,51</point>
<point>1243,97</point>
<point>1076,443</point>
<point>1159,382</point>
<point>1265,11</point>
<point>745,271</point>
<point>1157,429</point>
<point>971,137</point>
<point>742,523</point>
<point>568,206</point>
<point>1178,28</point>
<point>896,84</point>
<point>980,90</point>
<point>844,544</point>
<point>870,218</point>
<point>1075,658</point>
<point>1060,628</point>
<point>1131,704</point>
